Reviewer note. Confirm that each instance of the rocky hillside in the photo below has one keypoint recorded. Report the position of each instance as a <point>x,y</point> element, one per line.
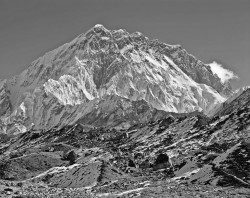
<point>67,84</point>
<point>183,155</point>
<point>114,114</point>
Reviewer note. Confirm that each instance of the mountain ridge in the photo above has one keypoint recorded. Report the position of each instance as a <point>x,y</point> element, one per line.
<point>184,155</point>
<point>105,62</point>
<point>114,114</point>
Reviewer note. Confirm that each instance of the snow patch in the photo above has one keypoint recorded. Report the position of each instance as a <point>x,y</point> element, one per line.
<point>80,62</point>
<point>23,108</point>
<point>126,48</point>
<point>153,61</point>
<point>104,38</point>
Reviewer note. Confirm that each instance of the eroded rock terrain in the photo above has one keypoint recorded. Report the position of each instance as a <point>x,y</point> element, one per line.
<point>114,114</point>
<point>181,155</point>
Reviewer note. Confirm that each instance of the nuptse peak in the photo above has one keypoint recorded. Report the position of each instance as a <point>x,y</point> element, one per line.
<point>69,83</point>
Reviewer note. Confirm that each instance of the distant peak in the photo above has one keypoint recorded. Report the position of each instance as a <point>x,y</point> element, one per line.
<point>99,26</point>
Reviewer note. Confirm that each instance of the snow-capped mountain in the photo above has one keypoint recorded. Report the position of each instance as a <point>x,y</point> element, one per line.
<point>66,84</point>
<point>185,154</point>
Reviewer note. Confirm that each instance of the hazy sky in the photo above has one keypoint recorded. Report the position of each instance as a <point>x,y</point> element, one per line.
<point>209,29</point>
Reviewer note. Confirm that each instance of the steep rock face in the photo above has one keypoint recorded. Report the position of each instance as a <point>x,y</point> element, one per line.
<point>221,107</point>
<point>122,112</point>
<point>111,111</point>
<point>236,94</point>
<point>5,105</point>
<point>236,103</point>
<point>199,72</point>
<point>108,62</point>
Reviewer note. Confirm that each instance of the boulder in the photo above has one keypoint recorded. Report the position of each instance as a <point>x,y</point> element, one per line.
<point>161,162</point>
<point>71,156</point>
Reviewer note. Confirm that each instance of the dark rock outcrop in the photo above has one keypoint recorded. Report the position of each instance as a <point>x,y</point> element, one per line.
<point>162,161</point>
<point>71,156</point>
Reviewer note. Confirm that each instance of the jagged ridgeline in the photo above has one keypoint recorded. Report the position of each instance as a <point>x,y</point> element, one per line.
<point>77,79</point>
<point>113,114</point>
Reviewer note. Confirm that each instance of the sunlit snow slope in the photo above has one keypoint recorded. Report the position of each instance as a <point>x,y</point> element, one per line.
<point>70,82</point>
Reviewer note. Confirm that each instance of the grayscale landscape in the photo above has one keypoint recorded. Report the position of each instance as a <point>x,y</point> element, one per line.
<point>114,113</point>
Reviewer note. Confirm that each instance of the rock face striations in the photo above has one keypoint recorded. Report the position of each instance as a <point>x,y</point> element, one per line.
<point>187,155</point>
<point>69,82</point>
<point>113,114</point>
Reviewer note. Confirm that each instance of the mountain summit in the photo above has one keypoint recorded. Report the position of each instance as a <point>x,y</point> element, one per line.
<point>73,81</point>
<point>114,114</point>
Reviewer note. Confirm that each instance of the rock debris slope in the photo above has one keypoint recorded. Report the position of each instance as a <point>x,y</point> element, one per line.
<point>65,84</point>
<point>181,155</point>
<point>113,114</point>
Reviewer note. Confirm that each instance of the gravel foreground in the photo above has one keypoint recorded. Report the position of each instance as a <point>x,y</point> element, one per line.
<point>157,190</point>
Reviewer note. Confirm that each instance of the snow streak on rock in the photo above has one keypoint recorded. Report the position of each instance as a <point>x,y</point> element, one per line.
<point>99,63</point>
